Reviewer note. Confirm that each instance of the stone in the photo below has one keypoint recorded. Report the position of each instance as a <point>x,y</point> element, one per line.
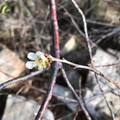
<point>11,66</point>
<point>20,108</point>
<point>97,105</point>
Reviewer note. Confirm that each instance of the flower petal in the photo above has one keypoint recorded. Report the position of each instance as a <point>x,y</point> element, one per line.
<point>43,58</point>
<point>32,56</point>
<point>41,55</point>
<point>31,64</point>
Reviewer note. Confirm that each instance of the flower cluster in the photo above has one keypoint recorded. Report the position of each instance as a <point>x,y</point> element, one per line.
<point>39,60</point>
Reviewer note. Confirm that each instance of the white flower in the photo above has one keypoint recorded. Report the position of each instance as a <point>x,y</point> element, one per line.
<point>31,64</point>
<point>38,59</point>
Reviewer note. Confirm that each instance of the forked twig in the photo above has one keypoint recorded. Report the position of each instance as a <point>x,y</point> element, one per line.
<point>48,94</point>
<point>56,65</point>
<point>91,58</point>
<point>81,104</point>
<point>88,68</point>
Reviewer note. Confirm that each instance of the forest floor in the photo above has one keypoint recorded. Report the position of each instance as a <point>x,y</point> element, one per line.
<point>25,26</point>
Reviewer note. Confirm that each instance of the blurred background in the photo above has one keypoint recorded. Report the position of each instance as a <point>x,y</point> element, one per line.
<point>25,26</point>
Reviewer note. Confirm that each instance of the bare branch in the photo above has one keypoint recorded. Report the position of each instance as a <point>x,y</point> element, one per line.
<point>91,58</point>
<point>80,101</point>
<point>12,81</point>
<point>48,95</point>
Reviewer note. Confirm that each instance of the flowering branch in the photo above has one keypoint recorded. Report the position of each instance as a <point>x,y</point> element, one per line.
<point>56,65</point>
<point>42,61</point>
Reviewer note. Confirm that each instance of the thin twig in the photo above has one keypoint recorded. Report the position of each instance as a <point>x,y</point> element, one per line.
<point>81,104</point>
<point>9,82</point>
<point>85,26</point>
<point>90,53</point>
<point>74,22</point>
<point>71,63</point>
<point>107,103</point>
<point>109,65</point>
<point>114,31</point>
<point>48,95</point>
<point>99,23</point>
<point>89,68</point>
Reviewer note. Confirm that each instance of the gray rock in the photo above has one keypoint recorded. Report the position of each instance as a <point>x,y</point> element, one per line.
<point>66,94</point>
<point>11,65</point>
<point>97,105</point>
<point>20,108</point>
